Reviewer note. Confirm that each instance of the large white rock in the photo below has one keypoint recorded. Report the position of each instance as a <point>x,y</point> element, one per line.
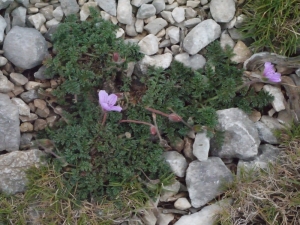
<point>163,61</point>
<point>222,10</point>
<point>201,35</point>
<point>279,101</point>
<point>149,45</point>
<point>108,6</point>
<point>124,12</point>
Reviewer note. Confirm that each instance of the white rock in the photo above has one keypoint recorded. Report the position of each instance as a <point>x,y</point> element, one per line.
<point>159,5</point>
<point>162,61</point>
<point>201,146</point>
<point>182,204</point>
<point>104,15</point>
<point>192,4</point>
<point>279,101</point>
<point>177,162</point>
<point>222,11</point>
<point>146,11</point>
<point>108,6</point>
<point>3,25</point>
<point>169,191</point>
<point>120,32</point>
<point>226,40</point>
<point>52,23</point>
<point>173,34</point>
<point>195,61</point>
<point>139,25</point>
<point>178,14</point>
<point>58,13</point>
<point>138,3</point>
<point>85,11</point>
<point>149,45</point>
<point>3,61</point>
<point>5,85</point>
<point>241,51</point>
<point>37,20</point>
<point>201,35</point>
<point>168,16</point>
<point>124,12</point>
<point>24,109</point>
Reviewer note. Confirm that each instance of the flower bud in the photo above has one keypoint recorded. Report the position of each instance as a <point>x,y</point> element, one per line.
<point>153,130</point>
<point>173,117</point>
<point>116,57</point>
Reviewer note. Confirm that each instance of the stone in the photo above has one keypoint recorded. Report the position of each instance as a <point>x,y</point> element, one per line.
<point>124,12</point>
<point>26,127</point>
<point>108,6</point>
<point>191,22</point>
<point>168,191</point>
<point>177,162</point>
<point>201,35</point>
<point>159,5</point>
<point>226,40</point>
<point>201,146</point>
<point>3,61</point>
<point>148,20</point>
<point>9,129</point>
<point>165,43</point>
<point>3,25</point>
<point>182,204</point>
<point>241,138</point>
<point>69,7</point>
<point>272,123</point>
<point>255,116</point>
<point>18,79</point>
<point>190,13</point>
<point>30,85</point>
<point>279,102</point>
<point>19,17</point>
<point>268,154</point>
<point>37,20</point>
<point>207,215</point>
<point>30,118</point>
<point>13,168</point>
<point>164,219</point>
<point>43,113</point>
<point>52,23</point>
<point>222,10</point>
<point>163,61</point>
<point>167,16</point>
<point>85,10</point>
<point>240,20</point>
<point>25,47</point>
<point>39,124</point>
<point>178,14</point>
<point>235,34</point>
<point>192,4</point>
<point>195,61</point>
<point>285,118</point>
<point>29,96</point>
<point>5,3</point>
<point>58,13</point>
<point>40,74</point>
<point>155,26</point>
<point>146,11</point>
<point>39,103</point>
<point>24,109</point>
<point>47,12</point>
<point>138,3</point>
<point>265,133</point>
<point>139,25</point>
<point>242,52</point>
<point>25,139</point>
<point>130,29</point>
<point>149,45</point>
<point>173,34</point>
<point>18,90</point>
<point>5,85</point>
<point>205,180</point>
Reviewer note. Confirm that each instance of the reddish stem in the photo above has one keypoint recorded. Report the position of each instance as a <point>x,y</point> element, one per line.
<point>104,118</point>
<point>135,121</point>
<point>157,112</point>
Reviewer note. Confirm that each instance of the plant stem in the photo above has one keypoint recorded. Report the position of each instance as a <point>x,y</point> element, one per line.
<point>135,121</point>
<point>157,112</point>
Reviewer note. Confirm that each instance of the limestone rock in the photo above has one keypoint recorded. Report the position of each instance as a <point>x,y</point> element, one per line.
<point>177,162</point>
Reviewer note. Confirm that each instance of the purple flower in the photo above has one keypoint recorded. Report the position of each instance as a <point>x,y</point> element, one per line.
<point>269,72</point>
<point>108,102</point>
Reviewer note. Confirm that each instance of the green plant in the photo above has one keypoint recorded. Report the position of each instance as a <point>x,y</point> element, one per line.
<point>273,24</point>
<point>100,156</point>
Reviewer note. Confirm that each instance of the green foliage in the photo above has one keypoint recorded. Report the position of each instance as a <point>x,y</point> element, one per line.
<point>273,24</point>
<point>102,159</point>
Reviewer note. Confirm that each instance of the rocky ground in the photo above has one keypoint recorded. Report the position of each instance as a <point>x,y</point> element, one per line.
<point>165,30</point>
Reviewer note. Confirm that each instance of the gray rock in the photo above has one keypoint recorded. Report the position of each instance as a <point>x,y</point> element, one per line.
<point>108,6</point>
<point>40,74</point>
<point>149,45</point>
<point>241,138</point>
<point>25,47</point>
<point>3,61</point>
<point>206,179</point>
<point>37,20</point>
<point>13,167</point>
<point>241,51</point>
<point>173,34</point>
<point>24,2</point>
<point>168,16</point>
<point>265,133</point>
<point>201,35</point>
<point>271,122</point>
<point>124,12</point>
<point>182,204</point>
<point>165,43</point>
<point>9,129</point>
<point>139,26</point>
<point>171,7</point>
<point>5,85</point>
<point>52,23</point>
<point>222,11</point>
<point>5,3</point>
<point>155,26</point>
<point>3,25</point>
<point>177,162</point>
<point>195,61</point>
<point>190,13</point>
<point>18,79</point>
<point>226,40</point>
<point>206,216</point>
<point>159,5</point>
<point>169,191</point>
<point>192,22</point>
<point>146,11</point>
<point>201,146</point>
<point>69,7</point>
<point>178,14</point>
<point>47,12</point>
<point>279,101</point>
<point>24,109</point>
<point>268,154</point>
<point>138,3</point>
<point>240,20</point>
<point>130,29</point>
<point>235,34</point>
<point>29,96</point>
<point>163,61</point>
<point>192,4</point>
<point>26,139</point>
<point>19,17</point>
<point>58,13</point>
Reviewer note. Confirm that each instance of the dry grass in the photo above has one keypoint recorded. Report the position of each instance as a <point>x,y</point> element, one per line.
<point>269,196</point>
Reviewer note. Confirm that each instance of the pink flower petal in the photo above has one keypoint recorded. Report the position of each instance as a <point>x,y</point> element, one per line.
<point>115,108</point>
<point>112,99</point>
<point>102,96</point>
